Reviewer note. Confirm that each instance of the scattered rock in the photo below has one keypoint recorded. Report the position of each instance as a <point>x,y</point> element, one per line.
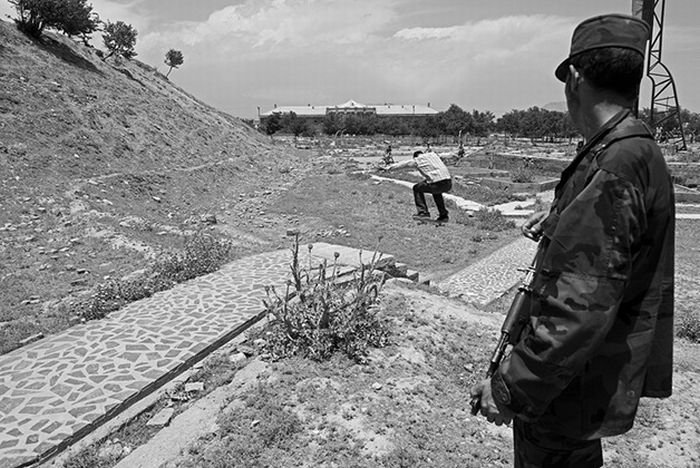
<point>198,365</point>
<point>246,350</point>
<point>31,339</point>
<point>162,418</point>
<point>237,358</point>
<point>376,386</point>
<point>110,451</point>
<point>194,387</point>
<point>208,219</point>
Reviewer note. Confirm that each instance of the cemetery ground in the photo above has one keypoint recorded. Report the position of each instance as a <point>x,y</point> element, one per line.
<point>113,180</point>
<point>408,405</point>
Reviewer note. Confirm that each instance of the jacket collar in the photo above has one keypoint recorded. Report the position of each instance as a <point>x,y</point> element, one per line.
<point>613,122</point>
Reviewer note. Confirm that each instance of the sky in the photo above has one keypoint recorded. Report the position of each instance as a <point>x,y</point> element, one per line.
<point>495,55</point>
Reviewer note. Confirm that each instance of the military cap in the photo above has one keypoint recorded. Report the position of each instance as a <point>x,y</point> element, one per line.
<point>613,30</point>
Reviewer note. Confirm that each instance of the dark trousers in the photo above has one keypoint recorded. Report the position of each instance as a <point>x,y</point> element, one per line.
<point>535,447</point>
<point>437,189</point>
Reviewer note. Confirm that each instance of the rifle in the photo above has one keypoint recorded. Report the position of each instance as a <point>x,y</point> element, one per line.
<point>512,327</point>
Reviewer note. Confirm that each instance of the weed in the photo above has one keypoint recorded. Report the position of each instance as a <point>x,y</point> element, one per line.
<point>689,327</point>
<point>540,205</point>
<point>523,175</point>
<point>480,193</point>
<point>202,254</point>
<point>90,457</point>
<point>492,220</point>
<point>319,314</point>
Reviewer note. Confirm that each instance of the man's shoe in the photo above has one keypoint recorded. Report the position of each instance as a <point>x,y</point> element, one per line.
<point>442,219</point>
<point>421,216</point>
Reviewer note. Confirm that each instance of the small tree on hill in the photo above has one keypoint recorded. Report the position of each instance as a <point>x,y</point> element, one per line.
<point>120,39</point>
<point>272,124</point>
<point>173,59</point>
<point>72,17</point>
<point>79,19</point>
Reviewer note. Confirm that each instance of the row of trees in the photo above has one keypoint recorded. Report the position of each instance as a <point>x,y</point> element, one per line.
<point>532,123</point>
<point>669,127</point>
<point>77,18</point>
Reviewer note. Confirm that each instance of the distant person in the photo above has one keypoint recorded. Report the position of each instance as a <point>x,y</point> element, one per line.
<point>600,328</point>
<point>460,151</point>
<point>388,158</point>
<point>437,181</point>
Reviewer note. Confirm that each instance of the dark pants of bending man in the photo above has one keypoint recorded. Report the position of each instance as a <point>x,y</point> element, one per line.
<point>435,188</point>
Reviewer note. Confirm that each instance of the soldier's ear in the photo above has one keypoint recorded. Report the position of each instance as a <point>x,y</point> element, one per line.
<point>574,79</point>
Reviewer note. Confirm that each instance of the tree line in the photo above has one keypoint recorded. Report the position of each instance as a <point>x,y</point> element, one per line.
<point>535,123</point>
<point>77,18</point>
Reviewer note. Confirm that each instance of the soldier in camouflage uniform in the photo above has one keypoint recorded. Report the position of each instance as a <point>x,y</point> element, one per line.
<point>600,334</point>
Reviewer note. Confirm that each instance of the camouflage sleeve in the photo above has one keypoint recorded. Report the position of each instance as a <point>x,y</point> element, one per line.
<point>584,271</point>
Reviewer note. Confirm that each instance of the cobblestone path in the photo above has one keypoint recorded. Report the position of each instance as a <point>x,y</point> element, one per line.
<point>58,389</point>
<point>491,277</point>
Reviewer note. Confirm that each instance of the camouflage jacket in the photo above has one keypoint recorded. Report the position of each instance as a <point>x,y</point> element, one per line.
<point>600,334</point>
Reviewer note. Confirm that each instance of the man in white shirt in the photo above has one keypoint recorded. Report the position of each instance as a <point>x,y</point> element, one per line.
<point>437,181</point>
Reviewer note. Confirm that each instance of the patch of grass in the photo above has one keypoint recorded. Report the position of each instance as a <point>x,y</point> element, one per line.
<point>492,221</point>
<point>202,254</point>
<point>319,315</point>
<point>90,457</point>
<point>689,327</point>
<point>481,193</point>
<point>522,175</point>
<point>258,434</point>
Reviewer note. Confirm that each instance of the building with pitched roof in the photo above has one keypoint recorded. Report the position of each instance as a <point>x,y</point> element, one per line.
<point>317,114</point>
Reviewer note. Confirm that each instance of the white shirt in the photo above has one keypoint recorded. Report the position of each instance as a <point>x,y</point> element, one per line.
<point>428,164</point>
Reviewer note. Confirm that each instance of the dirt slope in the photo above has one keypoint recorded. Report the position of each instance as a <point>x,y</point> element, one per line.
<point>102,166</point>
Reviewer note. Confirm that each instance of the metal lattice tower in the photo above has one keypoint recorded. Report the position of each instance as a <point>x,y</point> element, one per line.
<point>664,97</point>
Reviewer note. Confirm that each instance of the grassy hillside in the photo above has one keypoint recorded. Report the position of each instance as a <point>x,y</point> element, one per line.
<point>102,166</point>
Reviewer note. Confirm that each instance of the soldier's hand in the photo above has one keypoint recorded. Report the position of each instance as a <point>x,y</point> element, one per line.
<point>489,409</point>
<point>532,228</point>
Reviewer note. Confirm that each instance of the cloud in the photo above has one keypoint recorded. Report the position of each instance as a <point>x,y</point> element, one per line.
<point>502,37</point>
<point>470,60</point>
<point>274,26</point>
<point>131,13</point>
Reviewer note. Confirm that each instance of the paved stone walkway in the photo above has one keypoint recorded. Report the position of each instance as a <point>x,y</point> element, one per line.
<point>491,277</point>
<point>56,390</point>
